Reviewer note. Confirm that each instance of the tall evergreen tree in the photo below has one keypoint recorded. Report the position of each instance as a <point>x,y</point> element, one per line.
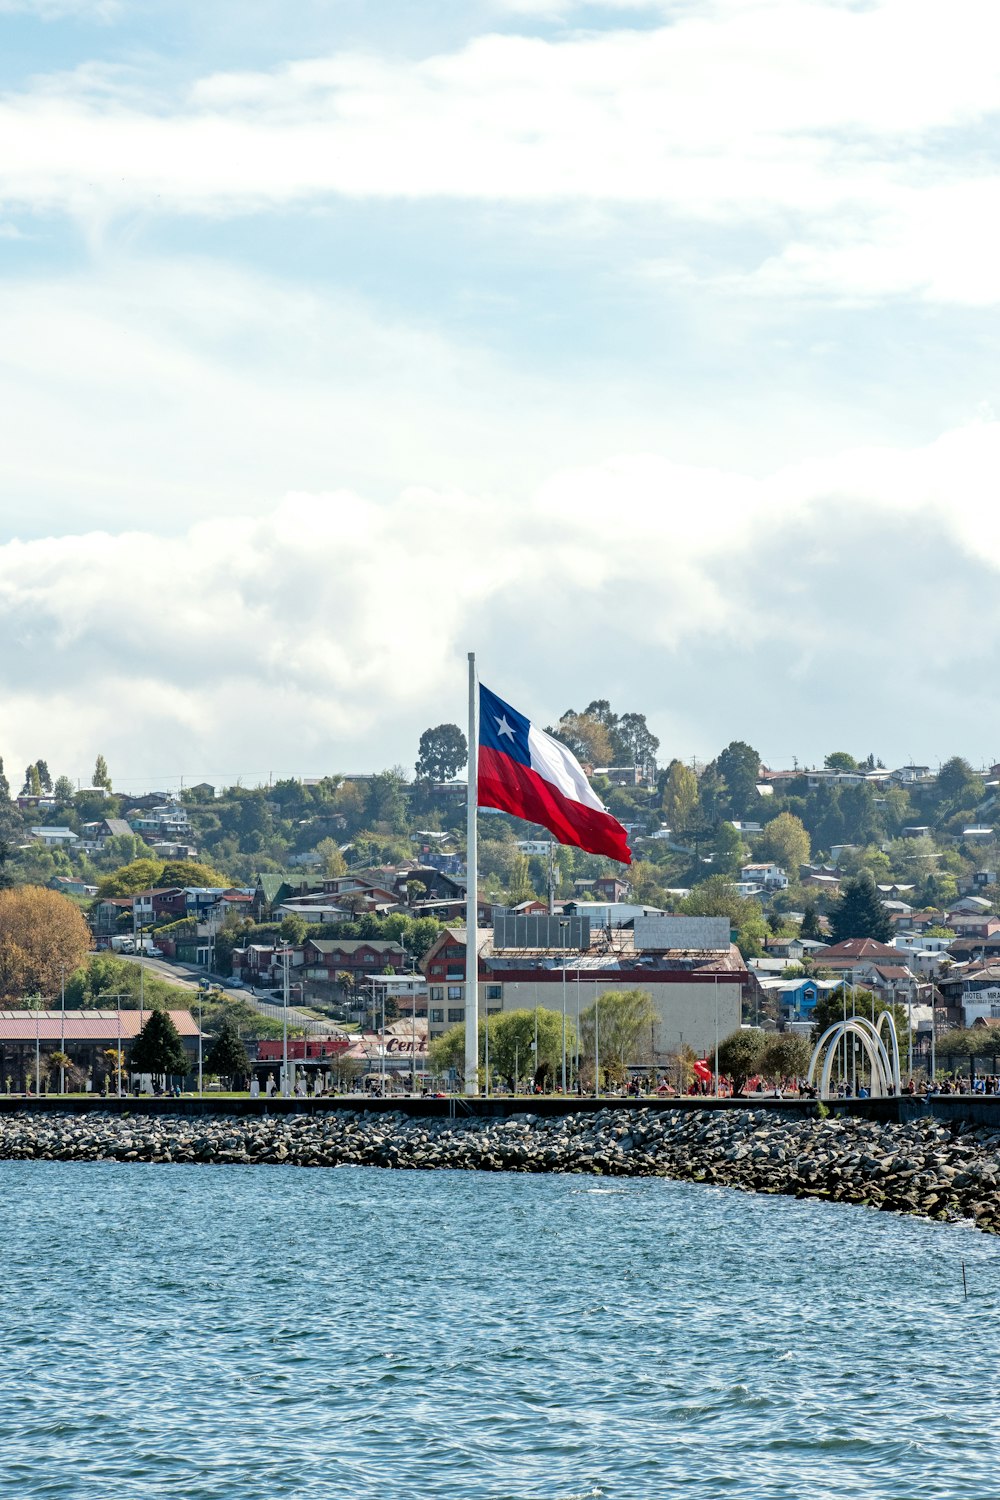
<point>4,784</point>
<point>158,1047</point>
<point>810,923</point>
<point>101,777</point>
<point>858,911</point>
<point>44,778</point>
<point>227,1056</point>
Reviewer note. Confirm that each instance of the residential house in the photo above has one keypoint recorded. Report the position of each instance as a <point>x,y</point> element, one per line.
<point>69,886</point>
<point>158,904</point>
<point>325,959</point>
<point>770,877</point>
<point>113,828</point>
<point>792,949</point>
<point>105,916</point>
<point>797,998</point>
<point>55,838</point>
<point>911,775</point>
<point>315,911</point>
<point>262,964</point>
<point>977,925</point>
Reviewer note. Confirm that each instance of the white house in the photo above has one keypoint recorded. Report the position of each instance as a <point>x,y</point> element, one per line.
<point>55,838</point>
<point>771,877</point>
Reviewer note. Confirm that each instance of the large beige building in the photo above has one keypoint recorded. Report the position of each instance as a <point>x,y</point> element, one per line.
<point>696,991</point>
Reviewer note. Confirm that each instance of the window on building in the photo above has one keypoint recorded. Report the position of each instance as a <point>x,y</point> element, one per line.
<point>437,992</point>
<point>454,952</point>
<point>455,992</point>
<point>438,1017</point>
<point>494,1010</point>
<point>456,1015</point>
<point>494,992</point>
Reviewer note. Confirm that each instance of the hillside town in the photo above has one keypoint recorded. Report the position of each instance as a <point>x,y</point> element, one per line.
<point>756,897</point>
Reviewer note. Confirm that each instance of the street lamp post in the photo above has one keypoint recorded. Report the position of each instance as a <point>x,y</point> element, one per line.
<point>284,1026</point>
<point>62,1027</point>
<point>716,1036</point>
<point>200,993</point>
<point>597,1045</point>
<point>562,928</point>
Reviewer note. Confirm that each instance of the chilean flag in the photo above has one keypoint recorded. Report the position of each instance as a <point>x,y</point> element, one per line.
<point>524,771</point>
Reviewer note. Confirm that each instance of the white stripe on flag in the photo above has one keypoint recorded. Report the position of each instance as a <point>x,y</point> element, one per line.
<point>555,764</point>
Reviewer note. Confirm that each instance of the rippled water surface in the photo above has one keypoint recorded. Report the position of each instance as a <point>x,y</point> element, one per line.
<point>242,1331</point>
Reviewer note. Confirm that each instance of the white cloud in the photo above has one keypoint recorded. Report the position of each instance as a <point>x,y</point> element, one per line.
<point>59,10</point>
<point>329,632</point>
<point>780,113</point>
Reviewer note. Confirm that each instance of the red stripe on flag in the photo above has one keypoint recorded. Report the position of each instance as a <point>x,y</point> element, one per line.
<point>513,788</point>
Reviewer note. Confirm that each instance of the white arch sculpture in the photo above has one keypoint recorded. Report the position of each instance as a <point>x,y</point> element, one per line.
<point>884,1069</point>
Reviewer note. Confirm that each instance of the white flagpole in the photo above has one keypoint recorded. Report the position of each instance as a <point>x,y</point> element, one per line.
<point>472,896</point>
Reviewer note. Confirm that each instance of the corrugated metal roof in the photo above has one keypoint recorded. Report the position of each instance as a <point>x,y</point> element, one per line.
<point>83,1025</point>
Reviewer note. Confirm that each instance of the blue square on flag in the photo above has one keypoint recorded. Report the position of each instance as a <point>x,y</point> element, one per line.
<point>502,727</point>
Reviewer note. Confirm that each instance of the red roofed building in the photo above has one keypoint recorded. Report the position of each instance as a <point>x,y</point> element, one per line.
<point>30,1036</point>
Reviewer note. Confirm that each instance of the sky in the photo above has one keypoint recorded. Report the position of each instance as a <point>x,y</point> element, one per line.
<point>648,350</point>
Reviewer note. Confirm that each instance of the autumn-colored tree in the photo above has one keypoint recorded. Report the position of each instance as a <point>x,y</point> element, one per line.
<point>334,862</point>
<point>786,841</point>
<point>42,937</point>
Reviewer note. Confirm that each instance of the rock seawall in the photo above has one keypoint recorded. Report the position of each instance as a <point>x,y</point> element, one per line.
<point>944,1171</point>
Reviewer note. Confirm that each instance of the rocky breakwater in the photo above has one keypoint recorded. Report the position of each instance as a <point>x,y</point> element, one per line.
<point>944,1171</point>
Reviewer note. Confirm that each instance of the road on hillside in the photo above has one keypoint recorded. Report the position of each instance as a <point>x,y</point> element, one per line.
<point>187,977</point>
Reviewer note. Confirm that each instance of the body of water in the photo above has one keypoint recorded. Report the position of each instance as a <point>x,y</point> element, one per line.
<point>224,1333</point>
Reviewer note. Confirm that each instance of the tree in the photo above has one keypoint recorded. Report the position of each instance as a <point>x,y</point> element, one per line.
<point>44,778</point>
<point>787,1054</point>
<point>158,1048</point>
<point>63,790</point>
<point>227,1056</point>
<point>955,779</point>
<point>32,783</point>
<point>386,804</point>
<point>622,1022</point>
<point>42,937</point>
<point>587,737</point>
<point>728,849</point>
<point>810,923</point>
<point>443,753</point>
<point>786,842</point>
<point>512,1041</point>
<point>635,744</point>
<point>741,1055</point>
<point>138,875</point>
<point>739,767</point>
<point>4,784</point>
<point>101,777</point>
<point>839,760</point>
<point>448,1051</point>
<point>718,897</point>
<point>858,912</point>
<point>142,874</point>
<point>192,872</point>
<point>293,929</point>
<point>334,862</point>
<point>680,796</point>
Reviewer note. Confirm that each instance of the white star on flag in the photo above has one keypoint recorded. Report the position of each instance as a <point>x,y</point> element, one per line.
<point>504,728</point>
